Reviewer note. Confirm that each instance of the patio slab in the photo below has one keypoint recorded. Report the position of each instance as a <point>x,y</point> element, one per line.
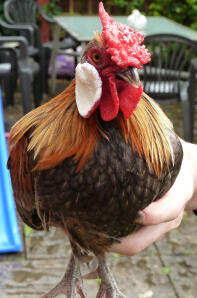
<point>183,273</point>
<point>181,241</point>
<point>138,277</point>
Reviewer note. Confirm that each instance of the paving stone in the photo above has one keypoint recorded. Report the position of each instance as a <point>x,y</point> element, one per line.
<point>183,272</point>
<point>137,277</point>
<point>181,241</point>
<point>44,245</point>
<point>144,275</point>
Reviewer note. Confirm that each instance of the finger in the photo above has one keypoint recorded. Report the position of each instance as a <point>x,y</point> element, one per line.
<point>164,210</point>
<point>138,241</point>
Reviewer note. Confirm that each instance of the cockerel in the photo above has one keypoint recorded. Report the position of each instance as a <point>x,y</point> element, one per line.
<point>94,156</point>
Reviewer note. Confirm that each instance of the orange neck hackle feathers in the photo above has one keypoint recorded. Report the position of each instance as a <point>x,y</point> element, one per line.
<point>148,129</point>
<point>56,131</point>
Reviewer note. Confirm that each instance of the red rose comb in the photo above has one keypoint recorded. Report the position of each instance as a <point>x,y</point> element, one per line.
<point>122,42</point>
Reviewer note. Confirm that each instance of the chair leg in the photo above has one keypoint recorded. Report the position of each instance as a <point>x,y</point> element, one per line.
<point>37,90</point>
<point>9,81</point>
<point>186,121</point>
<point>9,91</point>
<point>47,56</point>
<point>75,58</point>
<point>25,85</point>
<point>188,115</point>
<point>43,71</point>
<point>40,59</point>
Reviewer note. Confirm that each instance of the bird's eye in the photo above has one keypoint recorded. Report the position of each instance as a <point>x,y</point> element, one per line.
<point>96,57</point>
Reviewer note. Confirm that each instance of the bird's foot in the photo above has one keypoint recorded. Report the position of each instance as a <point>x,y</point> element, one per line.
<point>108,287</point>
<point>71,283</point>
<point>108,291</point>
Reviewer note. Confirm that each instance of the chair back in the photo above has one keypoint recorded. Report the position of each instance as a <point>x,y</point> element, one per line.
<point>20,11</point>
<point>169,68</point>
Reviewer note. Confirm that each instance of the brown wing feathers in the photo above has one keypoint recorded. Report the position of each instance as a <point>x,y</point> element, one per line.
<point>18,164</point>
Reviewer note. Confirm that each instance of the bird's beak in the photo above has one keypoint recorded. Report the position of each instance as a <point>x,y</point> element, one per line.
<point>130,76</point>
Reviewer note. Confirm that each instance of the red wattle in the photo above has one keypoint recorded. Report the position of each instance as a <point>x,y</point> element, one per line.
<point>109,103</point>
<point>129,98</point>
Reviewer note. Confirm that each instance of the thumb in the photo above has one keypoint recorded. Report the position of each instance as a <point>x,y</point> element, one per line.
<point>163,210</point>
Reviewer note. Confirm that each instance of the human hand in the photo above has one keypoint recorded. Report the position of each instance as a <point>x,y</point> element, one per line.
<point>165,214</point>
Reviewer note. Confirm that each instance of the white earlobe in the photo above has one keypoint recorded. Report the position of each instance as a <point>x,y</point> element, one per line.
<point>88,88</point>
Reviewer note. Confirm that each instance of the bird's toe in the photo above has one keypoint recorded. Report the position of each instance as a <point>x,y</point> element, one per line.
<point>109,292</point>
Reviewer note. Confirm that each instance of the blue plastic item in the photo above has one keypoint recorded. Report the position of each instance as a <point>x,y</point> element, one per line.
<point>10,240</point>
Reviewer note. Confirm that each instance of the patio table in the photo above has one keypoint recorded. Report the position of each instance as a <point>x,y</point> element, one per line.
<point>82,29</point>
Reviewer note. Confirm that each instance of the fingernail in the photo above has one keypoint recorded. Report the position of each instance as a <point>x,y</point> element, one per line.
<point>139,218</point>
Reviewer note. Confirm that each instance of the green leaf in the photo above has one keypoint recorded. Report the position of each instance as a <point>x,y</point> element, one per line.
<point>116,255</point>
<point>52,8</point>
<point>27,231</point>
<point>166,269</point>
<point>186,252</point>
<point>185,214</point>
<point>98,280</point>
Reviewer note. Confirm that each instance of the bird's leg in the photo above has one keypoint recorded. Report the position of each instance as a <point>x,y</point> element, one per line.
<point>71,283</point>
<point>108,287</point>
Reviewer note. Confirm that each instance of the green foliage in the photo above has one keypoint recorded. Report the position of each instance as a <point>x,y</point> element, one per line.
<point>116,255</point>
<point>185,214</point>
<point>166,270</point>
<point>127,6</point>
<point>1,11</point>
<point>98,281</point>
<point>183,12</point>
<point>52,8</point>
<point>186,252</point>
<point>27,231</point>
<point>120,3</point>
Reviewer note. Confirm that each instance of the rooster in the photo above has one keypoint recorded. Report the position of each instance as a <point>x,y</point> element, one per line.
<point>95,155</point>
